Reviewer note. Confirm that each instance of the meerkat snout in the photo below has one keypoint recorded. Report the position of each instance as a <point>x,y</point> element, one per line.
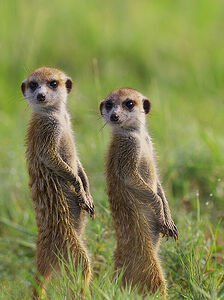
<point>40,97</point>
<point>114,117</point>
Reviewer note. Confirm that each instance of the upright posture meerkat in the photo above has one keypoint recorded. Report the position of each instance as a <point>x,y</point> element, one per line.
<point>138,205</point>
<point>59,186</point>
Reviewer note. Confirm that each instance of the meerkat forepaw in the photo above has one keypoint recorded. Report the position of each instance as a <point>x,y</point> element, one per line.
<point>91,205</point>
<point>88,206</point>
<point>169,229</point>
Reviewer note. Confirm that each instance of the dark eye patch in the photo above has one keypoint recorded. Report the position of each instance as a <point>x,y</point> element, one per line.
<point>129,104</point>
<point>108,105</point>
<point>33,85</point>
<point>53,84</point>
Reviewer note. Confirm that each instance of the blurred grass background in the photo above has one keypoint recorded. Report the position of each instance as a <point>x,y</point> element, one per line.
<point>173,52</point>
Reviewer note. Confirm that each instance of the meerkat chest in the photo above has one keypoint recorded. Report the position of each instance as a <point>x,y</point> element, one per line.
<point>147,166</point>
<point>67,149</point>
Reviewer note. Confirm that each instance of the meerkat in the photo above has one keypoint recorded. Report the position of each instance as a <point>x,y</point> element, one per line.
<point>59,186</point>
<point>138,205</point>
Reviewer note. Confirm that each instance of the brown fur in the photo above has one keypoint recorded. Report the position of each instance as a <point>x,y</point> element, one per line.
<point>59,186</point>
<point>138,206</point>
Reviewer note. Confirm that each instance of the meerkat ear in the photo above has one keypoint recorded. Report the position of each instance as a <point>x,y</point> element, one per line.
<point>68,85</point>
<point>146,106</point>
<point>23,87</point>
<point>101,106</point>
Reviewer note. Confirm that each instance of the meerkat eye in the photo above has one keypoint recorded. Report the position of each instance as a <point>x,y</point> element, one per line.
<point>33,85</point>
<point>53,84</point>
<point>129,104</point>
<point>109,105</point>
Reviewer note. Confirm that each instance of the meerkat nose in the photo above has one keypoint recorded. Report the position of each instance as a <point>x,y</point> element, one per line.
<point>41,97</point>
<point>114,117</point>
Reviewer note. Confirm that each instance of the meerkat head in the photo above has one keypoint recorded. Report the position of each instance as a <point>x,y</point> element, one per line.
<point>125,108</point>
<point>46,88</point>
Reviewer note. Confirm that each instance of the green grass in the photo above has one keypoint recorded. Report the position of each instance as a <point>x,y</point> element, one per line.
<point>172,51</point>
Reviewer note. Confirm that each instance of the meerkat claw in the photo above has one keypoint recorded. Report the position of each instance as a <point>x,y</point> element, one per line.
<point>169,230</point>
<point>173,231</point>
<point>91,212</point>
<point>90,209</point>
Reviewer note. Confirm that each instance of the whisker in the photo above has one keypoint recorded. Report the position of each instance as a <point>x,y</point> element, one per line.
<point>97,113</point>
<point>14,99</point>
<point>103,127</point>
<point>101,116</point>
<point>21,98</point>
<point>93,111</point>
<point>27,107</point>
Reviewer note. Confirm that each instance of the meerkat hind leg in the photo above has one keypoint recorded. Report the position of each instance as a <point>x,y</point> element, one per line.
<point>45,263</point>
